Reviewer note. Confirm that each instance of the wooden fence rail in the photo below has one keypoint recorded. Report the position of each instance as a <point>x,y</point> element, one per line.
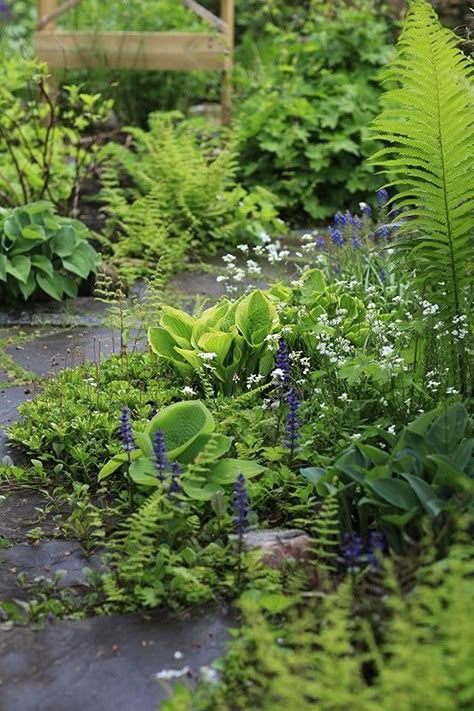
<point>183,51</point>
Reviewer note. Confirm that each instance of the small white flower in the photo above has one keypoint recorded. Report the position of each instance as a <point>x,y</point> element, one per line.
<point>207,356</point>
<point>356,436</point>
<point>188,391</point>
<point>168,674</point>
<point>391,430</point>
<point>344,398</point>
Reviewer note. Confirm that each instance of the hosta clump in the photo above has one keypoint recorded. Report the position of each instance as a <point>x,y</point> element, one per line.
<point>227,343</point>
<point>42,253</point>
<point>394,481</point>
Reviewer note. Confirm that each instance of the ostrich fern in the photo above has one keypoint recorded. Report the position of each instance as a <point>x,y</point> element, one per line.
<point>427,122</point>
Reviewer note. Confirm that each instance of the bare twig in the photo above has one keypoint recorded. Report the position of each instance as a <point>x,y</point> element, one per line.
<point>206,15</point>
<point>47,19</point>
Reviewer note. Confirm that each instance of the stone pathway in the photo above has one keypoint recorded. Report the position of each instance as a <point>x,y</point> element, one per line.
<point>99,663</point>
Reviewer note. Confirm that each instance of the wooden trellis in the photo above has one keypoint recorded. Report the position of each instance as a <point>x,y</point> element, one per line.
<point>140,50</point>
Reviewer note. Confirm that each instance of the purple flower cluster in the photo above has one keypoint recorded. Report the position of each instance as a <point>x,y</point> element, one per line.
<point>5,11</point>
<point>159,453</point>
<point>382,197</point>
<point>125,430</point>
<point>355,553</point>
<point>241,506</point>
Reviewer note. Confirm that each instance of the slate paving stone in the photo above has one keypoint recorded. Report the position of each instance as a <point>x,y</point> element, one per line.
<point>105,663</point>
<point>45,559</point>
<point>83,311</point>
<point>23,510</point>
<point>67,348</point>
<point>10,398</point>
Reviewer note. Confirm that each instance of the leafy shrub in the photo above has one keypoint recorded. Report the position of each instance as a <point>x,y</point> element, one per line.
<point>426,471</point>
<point>303,122</point>
<point>42,253</point>
<point>184,195</point>
<point>428,121</point>
<point>43,152</point>
<point>225,341</point>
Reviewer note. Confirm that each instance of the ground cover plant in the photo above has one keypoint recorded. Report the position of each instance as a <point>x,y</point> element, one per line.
<point>336,401</point>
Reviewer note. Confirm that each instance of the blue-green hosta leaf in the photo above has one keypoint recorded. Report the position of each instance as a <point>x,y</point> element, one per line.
<point>181,423</point>
<point>201,493</point>
<point>430,501</point>
<point>82,261</point>
<point>396,492</point>
<point>64,241</point>
<point>33,232</point>
<point>28,288</point>
<point>448,429</point>
<point>143,473</point>
<point>221,446</point>
<point>19,267</point>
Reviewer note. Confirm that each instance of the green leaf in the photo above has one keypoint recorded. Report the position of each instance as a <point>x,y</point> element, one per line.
<point>82,261</point>
<point>51,285</point>
<point>64,241</point>
<point>396,492</point>
<point>227,470</point>
<point>142,472</point>
<point>426,494</point>
<point>178,323</point>
<point>3,267</point>
<point>256,317</point>
<point>218,343</point>
<point>28,288</point>
<point>42,263</point>
<point>221,442</point>
<point>181,423</point>
<point>116,462</point>
<point>447,430</point>
<point>201,493</point>
<point>19,267</point>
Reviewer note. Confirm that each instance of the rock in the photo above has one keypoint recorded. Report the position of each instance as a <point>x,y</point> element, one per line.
<point>279,545</point>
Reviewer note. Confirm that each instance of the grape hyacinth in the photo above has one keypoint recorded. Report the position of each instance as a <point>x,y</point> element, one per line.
<point>125,431</point>
<point>381,197</point>
<point>292,423</point>
<point>241,507</point>
<point>355,554</point>
<point>159,453</point>
<point>352,549</point>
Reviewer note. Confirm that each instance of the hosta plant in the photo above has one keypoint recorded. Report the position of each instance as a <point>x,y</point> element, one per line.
<point>396,480</point>
<point>42,253</point>
<point>188,439</point>
<point>228,341</point>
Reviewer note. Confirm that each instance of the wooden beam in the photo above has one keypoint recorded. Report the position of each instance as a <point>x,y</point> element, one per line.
<point>47,8</point>
<point>131,50</point>
<point>228,15</point>
<point>53,15</point>
<point>205,14</point>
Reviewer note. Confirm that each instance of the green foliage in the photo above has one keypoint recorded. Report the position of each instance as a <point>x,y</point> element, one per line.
<point>188,429</point>
<point>303,123</point>
<point>324,656</point>
<point>184,195</point>
<point>227,339</point>
<point>43,151</point>
<point>428,121</point>
<point>426,471</point>
<point>42,253</point>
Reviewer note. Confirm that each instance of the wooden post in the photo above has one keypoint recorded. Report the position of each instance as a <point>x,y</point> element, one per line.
<point>227,14</point>
<point>46,7</point>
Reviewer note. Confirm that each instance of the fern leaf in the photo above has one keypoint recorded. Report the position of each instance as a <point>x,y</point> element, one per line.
<point>427,120</point>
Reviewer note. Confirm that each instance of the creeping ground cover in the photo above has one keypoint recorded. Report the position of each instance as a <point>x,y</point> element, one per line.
<point>291,451</point>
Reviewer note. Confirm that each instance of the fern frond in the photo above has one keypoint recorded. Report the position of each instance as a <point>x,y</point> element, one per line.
<point>427,120</point>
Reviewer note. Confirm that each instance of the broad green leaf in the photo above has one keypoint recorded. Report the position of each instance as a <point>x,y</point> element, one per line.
<point>396,492</point>
<point>162,343</point>
<point>51,285</point>
<point>28,288</point>
<point>177,323</point>
<point>222,446</point>
<point>42,263</point>
<point>82,261</point>
<point>218,343</point>
<point>143,443</point>
<point>313,474</point>
<point>142,472</point>
<point>3,265</point>
<point>227,470</point>
<point>256,317</point>
<point>19,267</point>
<point>116,462</point>
<point>447,430</point>
<point>33,232</point>
<point>426,494</point>
<point>64,241</point>
<point>201,493</point>
<point>181,423</point>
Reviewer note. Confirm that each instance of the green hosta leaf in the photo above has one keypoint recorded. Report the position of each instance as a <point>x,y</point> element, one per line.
<point>51,285</point>
<point>28,288</point>
<point>218,343</point>
<point>221,442</point>
<point>201,493</point>
<point>33,232</point>
<point>426,494</point>
<point>70,287</point>
<point>3,267</point>
<point>396,492</point>
<point>181,423</point>
<point>42,263</point>
<point>448,429</point>
<point>142,472</point>
<point>64,241</point>
<point>178,323</point>
<point>313,474</point>
<point>116,462</point>
<point>227,470</point>
<point>19,267</point>
<point>143,443</point>
<point>256,317</point>
<point>82,261</point>
<point>209,319</point>
<point>162,343</point>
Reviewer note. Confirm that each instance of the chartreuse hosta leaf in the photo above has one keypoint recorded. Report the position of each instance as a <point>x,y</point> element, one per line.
<point>188,429</point>
<point>256,317</point>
